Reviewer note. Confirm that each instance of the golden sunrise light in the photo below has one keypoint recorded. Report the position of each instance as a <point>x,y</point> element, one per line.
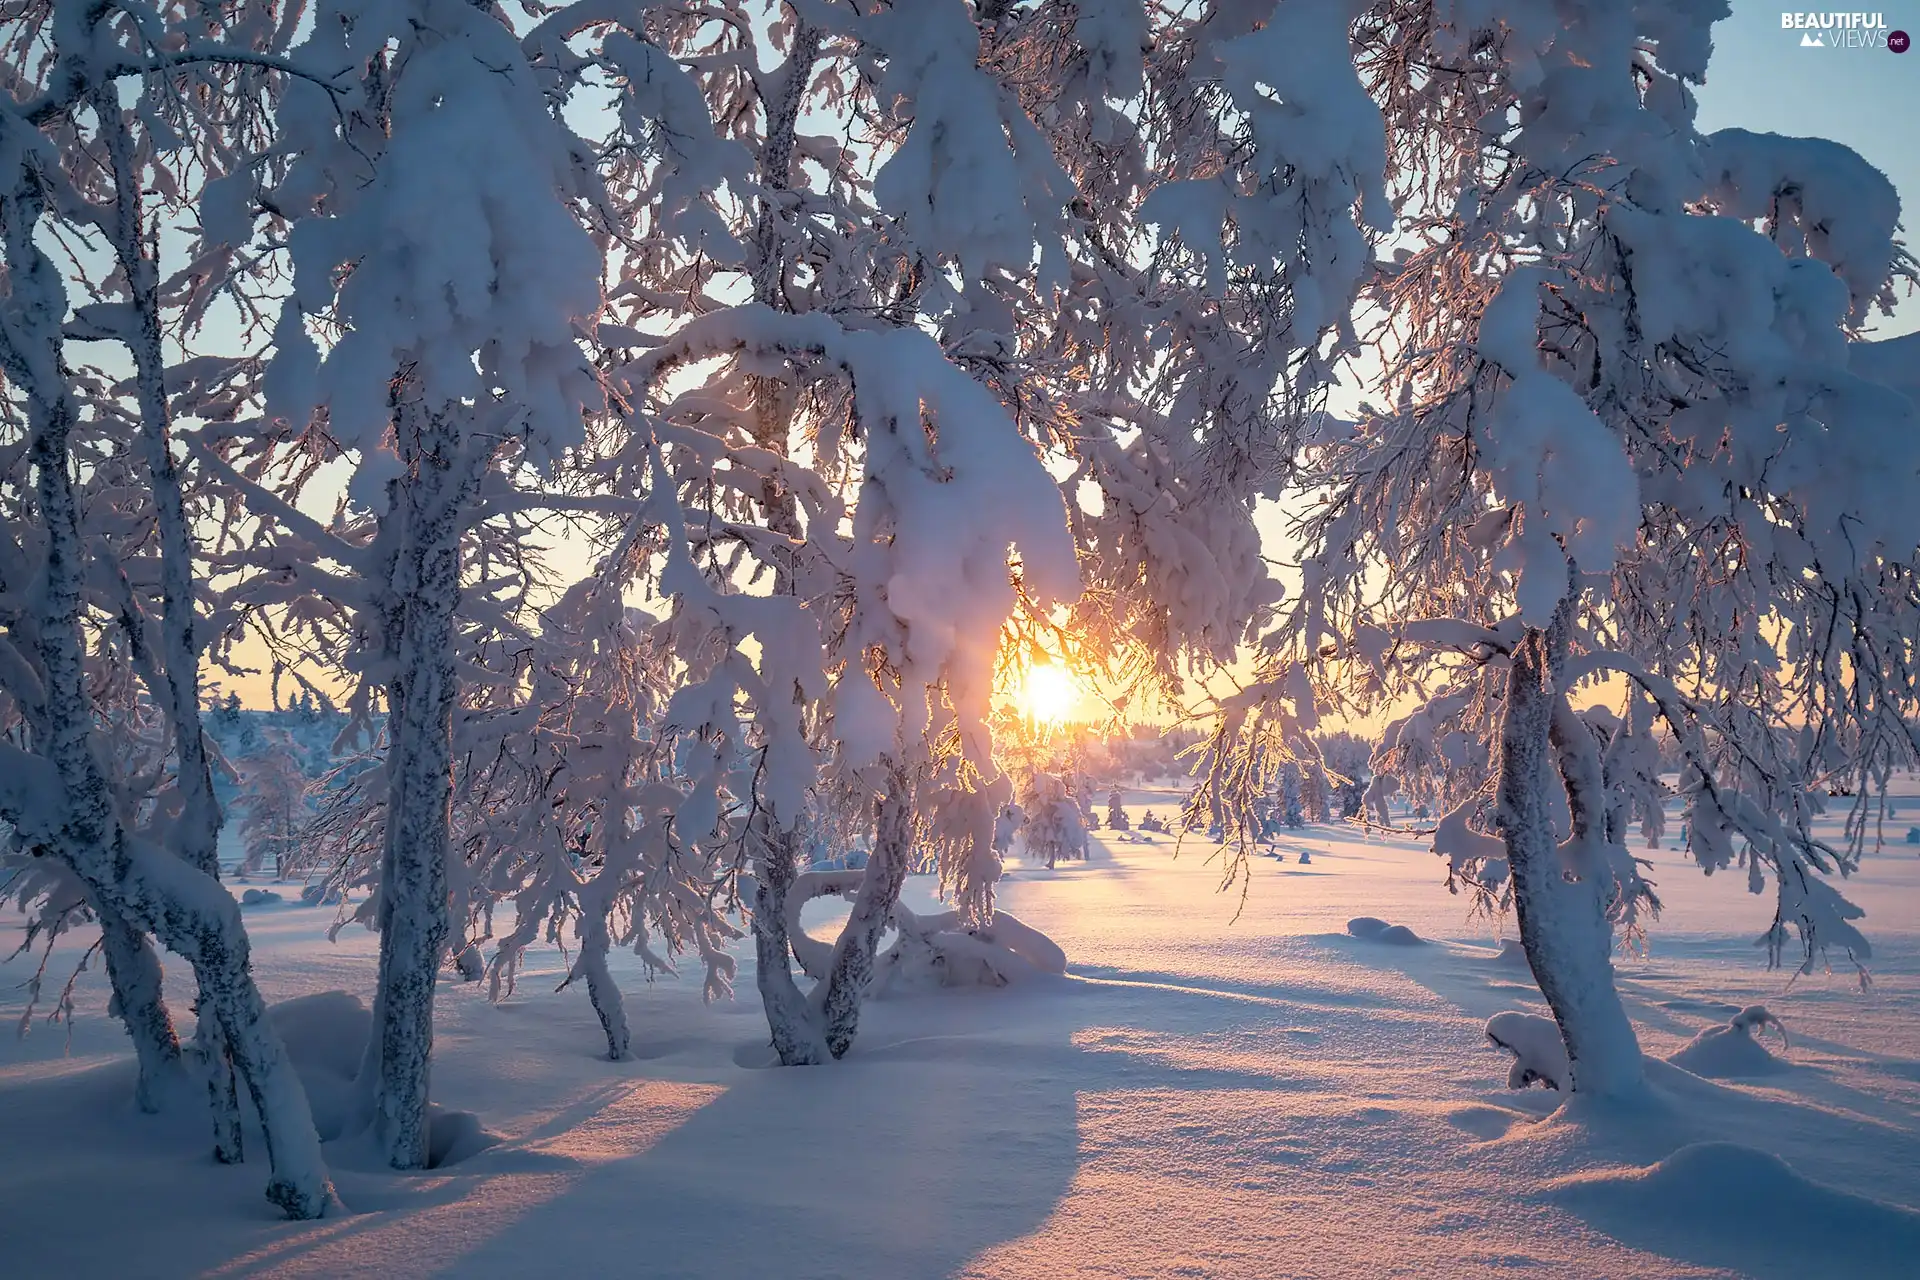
<point>1048,693</point>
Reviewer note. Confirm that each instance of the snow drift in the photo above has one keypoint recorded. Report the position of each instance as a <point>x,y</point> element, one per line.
<point>1727,1205</point>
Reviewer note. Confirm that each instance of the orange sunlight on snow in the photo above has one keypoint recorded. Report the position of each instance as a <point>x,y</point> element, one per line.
<point>444,1214</point>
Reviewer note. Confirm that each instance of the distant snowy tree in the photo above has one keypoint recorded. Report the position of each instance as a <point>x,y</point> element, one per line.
<point>273,806</point>
<point>1291,811</point>
<point>1080,787</point>
<point>1053,828</point>
<point>1316,793</point>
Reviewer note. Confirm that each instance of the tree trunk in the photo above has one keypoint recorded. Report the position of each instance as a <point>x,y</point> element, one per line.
<point>196,918</point>
<point>790,1016</point>
<point>223,1093</point>
<point>796,1036</point>
<point>596,941</point>
<point>211,933</point>
<point>148,888</point>
<point>178,675</point>
<point>134,972</point>
<point>846,986</point>
<point>1562,920</point>
<point>390,611</point>
<point>414,913</point>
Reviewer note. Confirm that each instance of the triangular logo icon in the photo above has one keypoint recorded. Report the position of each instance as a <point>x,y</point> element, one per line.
<point>1812,41</point>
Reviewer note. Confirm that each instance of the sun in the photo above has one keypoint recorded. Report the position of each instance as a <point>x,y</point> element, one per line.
<point>1048,693</point>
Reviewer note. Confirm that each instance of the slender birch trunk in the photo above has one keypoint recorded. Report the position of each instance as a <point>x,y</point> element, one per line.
<point>840,996</point>
<point>390,613</point>
<point>1557,892</point>
<point>597,895</point>
<point>778,838</point>
<point>414,914</point>
<point>198,829</point>
<point>796,1035</point>
<point>187,910</point>
<point>133,970</point>
<point>596,942</point>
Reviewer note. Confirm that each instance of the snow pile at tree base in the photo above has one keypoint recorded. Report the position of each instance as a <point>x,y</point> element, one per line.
<point>936,950</point>
<point>1374,929</point>
<point>325,1034</point>
<point>1732,1050</point>
<point>1732,1206</point>
<point>1513,952</point>
<point>1539,1054</point>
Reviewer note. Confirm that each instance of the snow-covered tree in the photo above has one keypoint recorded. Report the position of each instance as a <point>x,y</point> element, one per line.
<point>880,253</point>
<point>1316,793</point>
<point>273,805</point>
<point>436,246</point>
<point>1053,827</point>
<point>1291,811</point>
<point>1623,442</point>
<point>573,819</point>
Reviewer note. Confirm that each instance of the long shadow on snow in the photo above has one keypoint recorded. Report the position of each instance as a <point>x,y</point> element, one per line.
<point>951,1128</point>
<point>915,1155</point>
<point>911,1157</point>
<point>1279,995</point>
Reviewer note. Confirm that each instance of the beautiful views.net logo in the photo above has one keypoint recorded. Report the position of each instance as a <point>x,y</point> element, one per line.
<point>1844,31</point>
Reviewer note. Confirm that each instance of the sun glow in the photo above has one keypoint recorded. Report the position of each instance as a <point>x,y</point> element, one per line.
<point>1049,693</point>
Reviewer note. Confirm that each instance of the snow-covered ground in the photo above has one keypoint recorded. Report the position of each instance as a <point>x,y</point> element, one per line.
<point>1264,1096</point>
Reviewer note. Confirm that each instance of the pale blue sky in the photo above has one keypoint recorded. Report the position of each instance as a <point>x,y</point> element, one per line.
<point>1761,79</point>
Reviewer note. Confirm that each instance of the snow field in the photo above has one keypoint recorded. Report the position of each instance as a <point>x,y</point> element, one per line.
<point>1202,1095</point>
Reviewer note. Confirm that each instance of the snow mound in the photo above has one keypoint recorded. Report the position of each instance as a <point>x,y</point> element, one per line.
<point>1732,1206</point>
<point>938,950</point>
<point>1513,952</point>
<point>1733,1048</point>
<point>1374,929</point>
<point>325,1031</point>
<point>1539,1054</point>
<point>259,898</point>
<point>325,1035</point>
<point>469,963</point>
